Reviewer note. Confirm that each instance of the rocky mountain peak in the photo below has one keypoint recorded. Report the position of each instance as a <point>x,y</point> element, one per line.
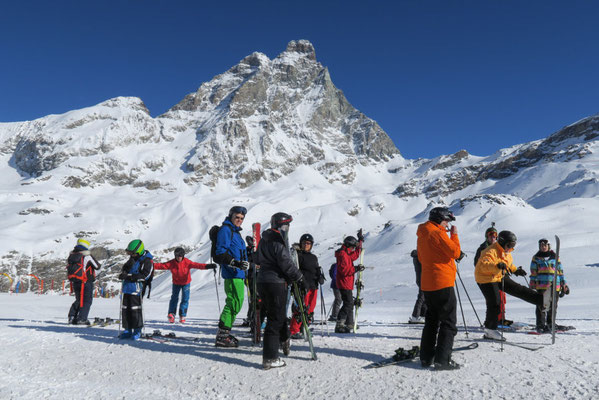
<point>303,47</point>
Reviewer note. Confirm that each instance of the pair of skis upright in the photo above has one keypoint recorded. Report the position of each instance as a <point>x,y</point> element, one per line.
<point>256,321</point>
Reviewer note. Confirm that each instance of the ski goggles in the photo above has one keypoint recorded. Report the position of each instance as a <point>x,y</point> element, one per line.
<point>239,210</point>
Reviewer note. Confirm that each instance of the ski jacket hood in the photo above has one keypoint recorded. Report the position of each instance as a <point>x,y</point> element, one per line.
<point>180,271</point>
<point>436,253</point>
<point>486,270</point>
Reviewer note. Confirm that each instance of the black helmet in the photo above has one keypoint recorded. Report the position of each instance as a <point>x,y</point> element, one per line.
<point>350,241</point>
<point>507,239</point>
<point>440,214</point>
<point>249,240</point>
<point>279,219</point>
<point>306,237</point>
<point>179,252</point>
<point>237,210</point>
<point>544,241</point>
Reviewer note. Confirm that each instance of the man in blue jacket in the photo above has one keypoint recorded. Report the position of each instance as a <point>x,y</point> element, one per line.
<point>232,257</point>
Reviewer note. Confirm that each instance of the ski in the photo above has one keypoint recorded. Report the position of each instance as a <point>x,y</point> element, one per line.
<point>300,304</point>
<point>255,321</point>
<point>154,338</point>
<point>522,346</point>
<point>554,293</point>
<point>359,287</point>
<point>102,322</point>
<point>172,335</point>
<point>402,356</point>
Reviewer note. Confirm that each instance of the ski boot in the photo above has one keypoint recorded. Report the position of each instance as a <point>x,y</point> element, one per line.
<point>268,364</point>
<point>171,318</point>
<point>126,334</point>
<point>297,335</point>
<point>182,319</point>
<point>449,366</point>
<point>225,339</point>
<point>136,334</point>
<point>493,334</point>
<point>286,346</point>
<point>342,328</point>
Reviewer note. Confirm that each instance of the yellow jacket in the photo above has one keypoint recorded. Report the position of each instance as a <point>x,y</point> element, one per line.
<point>486,270</point>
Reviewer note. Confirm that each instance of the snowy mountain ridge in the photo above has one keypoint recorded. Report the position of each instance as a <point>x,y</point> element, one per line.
<point>272,135</point>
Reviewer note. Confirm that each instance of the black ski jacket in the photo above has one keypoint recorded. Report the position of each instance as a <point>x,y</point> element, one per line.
<point>276,265</point>
<point>308,264</point>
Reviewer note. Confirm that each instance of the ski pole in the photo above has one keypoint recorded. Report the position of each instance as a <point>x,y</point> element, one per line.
<point>323,313</point>
<point>216,287</point>
<point>503,313</point>
<point>469,299</point>
<point>121,308</point>
<point>462,310</point>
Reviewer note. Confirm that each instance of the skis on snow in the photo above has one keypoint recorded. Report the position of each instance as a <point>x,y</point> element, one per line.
<point>402,356</point>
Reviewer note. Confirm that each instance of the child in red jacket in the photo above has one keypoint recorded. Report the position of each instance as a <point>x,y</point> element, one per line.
<point>180,269</point>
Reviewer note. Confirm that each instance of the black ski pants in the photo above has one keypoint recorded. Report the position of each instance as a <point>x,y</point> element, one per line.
<point>336,304</point>
<point>419,306</point>
<point>274,305</point>
<point>439,326</point>
<point>346,314</point>
<point>493,298</point>
<point>77,312</point>
<point>132,314</point>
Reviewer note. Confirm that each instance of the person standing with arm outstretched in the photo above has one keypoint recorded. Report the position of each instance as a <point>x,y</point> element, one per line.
<point>180,268</point>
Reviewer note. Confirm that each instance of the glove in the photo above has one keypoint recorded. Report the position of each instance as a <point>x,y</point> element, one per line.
<point>301,284</point>
<point>462,255</point>
<point>360,236</point>
<point>565,290</point>
<point>240,264</point>
<point>520,272</point>
<point>360,268</point>
<point>123,276</point>
<point>502,266</point>
<point>321,278</point>
<point>211,266</point>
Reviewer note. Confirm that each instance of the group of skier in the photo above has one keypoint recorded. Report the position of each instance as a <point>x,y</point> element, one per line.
<point>436,255</point>
<point>275,270</point>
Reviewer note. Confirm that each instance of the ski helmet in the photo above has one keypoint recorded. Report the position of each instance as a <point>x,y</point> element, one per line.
<point>545,241</point>
<point>279,219</point>
<point>306,237</point>
<point>237,210</point>
<point>249,240</point>
<point>82,244</point>
<point>350,241</point>
<point>440,214</point>
<point>136,247</point>
<point>507,239</point>
<point>179,252</point>
<point>490,230</point>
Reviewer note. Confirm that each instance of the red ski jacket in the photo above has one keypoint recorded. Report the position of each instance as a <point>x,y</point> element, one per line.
<point>345,267</point>
<point>180,270</point>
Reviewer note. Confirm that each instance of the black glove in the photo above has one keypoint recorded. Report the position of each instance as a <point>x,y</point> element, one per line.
<point>321,278</point>
<point>360,236</point>
<point>360,268</point>
<point>301,284</point>
<point>502,266</point>
<point>123,276</point>
<point>462,255</point>
<point>211,266</point>
<point>565,290</point>
<point>520,272</point>
<point>240,264</point>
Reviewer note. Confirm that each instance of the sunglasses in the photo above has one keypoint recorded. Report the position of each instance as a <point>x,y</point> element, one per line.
<point>239,217</point>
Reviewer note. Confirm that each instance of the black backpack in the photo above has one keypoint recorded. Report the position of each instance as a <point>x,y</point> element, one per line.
<point>213,233</point>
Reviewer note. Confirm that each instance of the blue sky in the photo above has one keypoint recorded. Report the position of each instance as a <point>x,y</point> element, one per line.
<point>438,76</point>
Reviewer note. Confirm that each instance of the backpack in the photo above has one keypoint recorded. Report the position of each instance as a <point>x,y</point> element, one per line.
<point>75,268</point>
<point>213,233</point>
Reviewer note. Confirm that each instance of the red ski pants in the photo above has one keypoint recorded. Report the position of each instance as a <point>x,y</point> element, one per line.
<point>310,301</point>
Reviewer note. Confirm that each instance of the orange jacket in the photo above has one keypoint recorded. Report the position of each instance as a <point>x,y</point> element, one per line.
<point>486,270</point>
<point>436,253</point>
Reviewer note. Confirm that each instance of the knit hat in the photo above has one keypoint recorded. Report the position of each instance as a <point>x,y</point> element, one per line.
<point>82,244</point>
